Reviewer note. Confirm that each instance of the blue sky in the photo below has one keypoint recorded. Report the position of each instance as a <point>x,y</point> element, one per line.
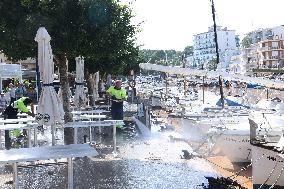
<point>171,24</point>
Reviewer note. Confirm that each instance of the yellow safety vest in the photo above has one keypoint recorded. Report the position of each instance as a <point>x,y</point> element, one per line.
<point>118,93</point>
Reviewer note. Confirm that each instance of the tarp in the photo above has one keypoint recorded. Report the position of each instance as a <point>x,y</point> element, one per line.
<point>230,103</point>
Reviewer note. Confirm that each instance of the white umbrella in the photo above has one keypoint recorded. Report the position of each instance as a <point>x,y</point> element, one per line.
<point>50,108</point>
<point>80,97</point>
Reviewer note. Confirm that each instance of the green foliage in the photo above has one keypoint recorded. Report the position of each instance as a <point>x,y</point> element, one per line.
<point>160,56</point>
<point>212,64</point>
<point>246,42</point>
<point>188,51</point>
<point>99,30</point>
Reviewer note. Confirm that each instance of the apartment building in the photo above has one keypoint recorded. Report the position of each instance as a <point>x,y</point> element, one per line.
<point>267,48</point>
<point>265,34</point>
<point>205,48</point>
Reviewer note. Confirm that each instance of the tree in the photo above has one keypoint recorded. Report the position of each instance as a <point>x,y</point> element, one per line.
<point>161,56</point>
<point>212,64</point>
<point>188,51</point>
<point>246,42</point>
<point>99,30</point>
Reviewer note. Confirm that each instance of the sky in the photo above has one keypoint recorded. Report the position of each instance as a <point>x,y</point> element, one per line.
<point>171,24</point>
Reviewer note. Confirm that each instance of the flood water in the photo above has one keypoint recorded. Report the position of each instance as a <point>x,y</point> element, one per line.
<point>141,162</point>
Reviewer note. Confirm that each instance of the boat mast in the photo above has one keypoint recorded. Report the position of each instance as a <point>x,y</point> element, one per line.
<point>217,51</point>
<point>166,75</point>
<point>184,77</point>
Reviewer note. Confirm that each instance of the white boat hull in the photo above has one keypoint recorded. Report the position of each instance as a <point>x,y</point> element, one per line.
<point>236,147</point>
<point>264,161</point>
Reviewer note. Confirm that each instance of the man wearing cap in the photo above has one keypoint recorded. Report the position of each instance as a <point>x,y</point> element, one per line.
<point>117,96</point>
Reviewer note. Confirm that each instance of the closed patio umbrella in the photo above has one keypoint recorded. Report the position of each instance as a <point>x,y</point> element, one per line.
<point>50,108</point>
<point>80,97</point>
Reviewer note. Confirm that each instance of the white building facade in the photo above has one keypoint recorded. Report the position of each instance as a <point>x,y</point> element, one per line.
<point>205,48</point>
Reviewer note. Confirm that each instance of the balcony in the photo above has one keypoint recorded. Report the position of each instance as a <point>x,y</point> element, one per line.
<point>271,58</point>
<point>265,49</point>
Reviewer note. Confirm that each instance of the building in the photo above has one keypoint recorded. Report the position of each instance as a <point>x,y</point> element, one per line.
<point>29,63</point>
<point>266,54</point>
<point>3,58</point>
<point>205,48</point>
<point>265,34</point>
<point>267,48</point>
<point>237,65</point>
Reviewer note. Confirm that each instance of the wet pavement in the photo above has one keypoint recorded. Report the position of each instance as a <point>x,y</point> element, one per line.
<point>141,162</point>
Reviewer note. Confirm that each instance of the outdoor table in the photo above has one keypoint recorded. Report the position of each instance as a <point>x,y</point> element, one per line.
<point>27,126</point>
<point>90,124</point>
<point>15,156</point>
<point>97,111</point>
<point>20,120</point>
<point>29,120</point>
<point>101,106</point>
<point>23,115</point>
<point>90,117</point>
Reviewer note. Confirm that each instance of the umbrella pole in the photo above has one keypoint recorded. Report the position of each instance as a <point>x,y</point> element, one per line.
<point>1,84</point>
<point>203,92</point>
<point>114,138</point>
<point>75,135</point>
<point>38,89</point>
<point>53,134</point>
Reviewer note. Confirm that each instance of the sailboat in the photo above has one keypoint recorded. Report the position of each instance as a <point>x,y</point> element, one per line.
<point>268,164</point>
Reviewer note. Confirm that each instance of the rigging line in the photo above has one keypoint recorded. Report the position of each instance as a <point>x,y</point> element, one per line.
<point>277,178</point>
<point>267,121</point>
<point>218,165</point>
<point>269,175</point>
<point>244,168</point>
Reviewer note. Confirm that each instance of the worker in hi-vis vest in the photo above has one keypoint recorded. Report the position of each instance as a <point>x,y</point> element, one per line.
<point>11,112</point>
<point>117,95</point>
